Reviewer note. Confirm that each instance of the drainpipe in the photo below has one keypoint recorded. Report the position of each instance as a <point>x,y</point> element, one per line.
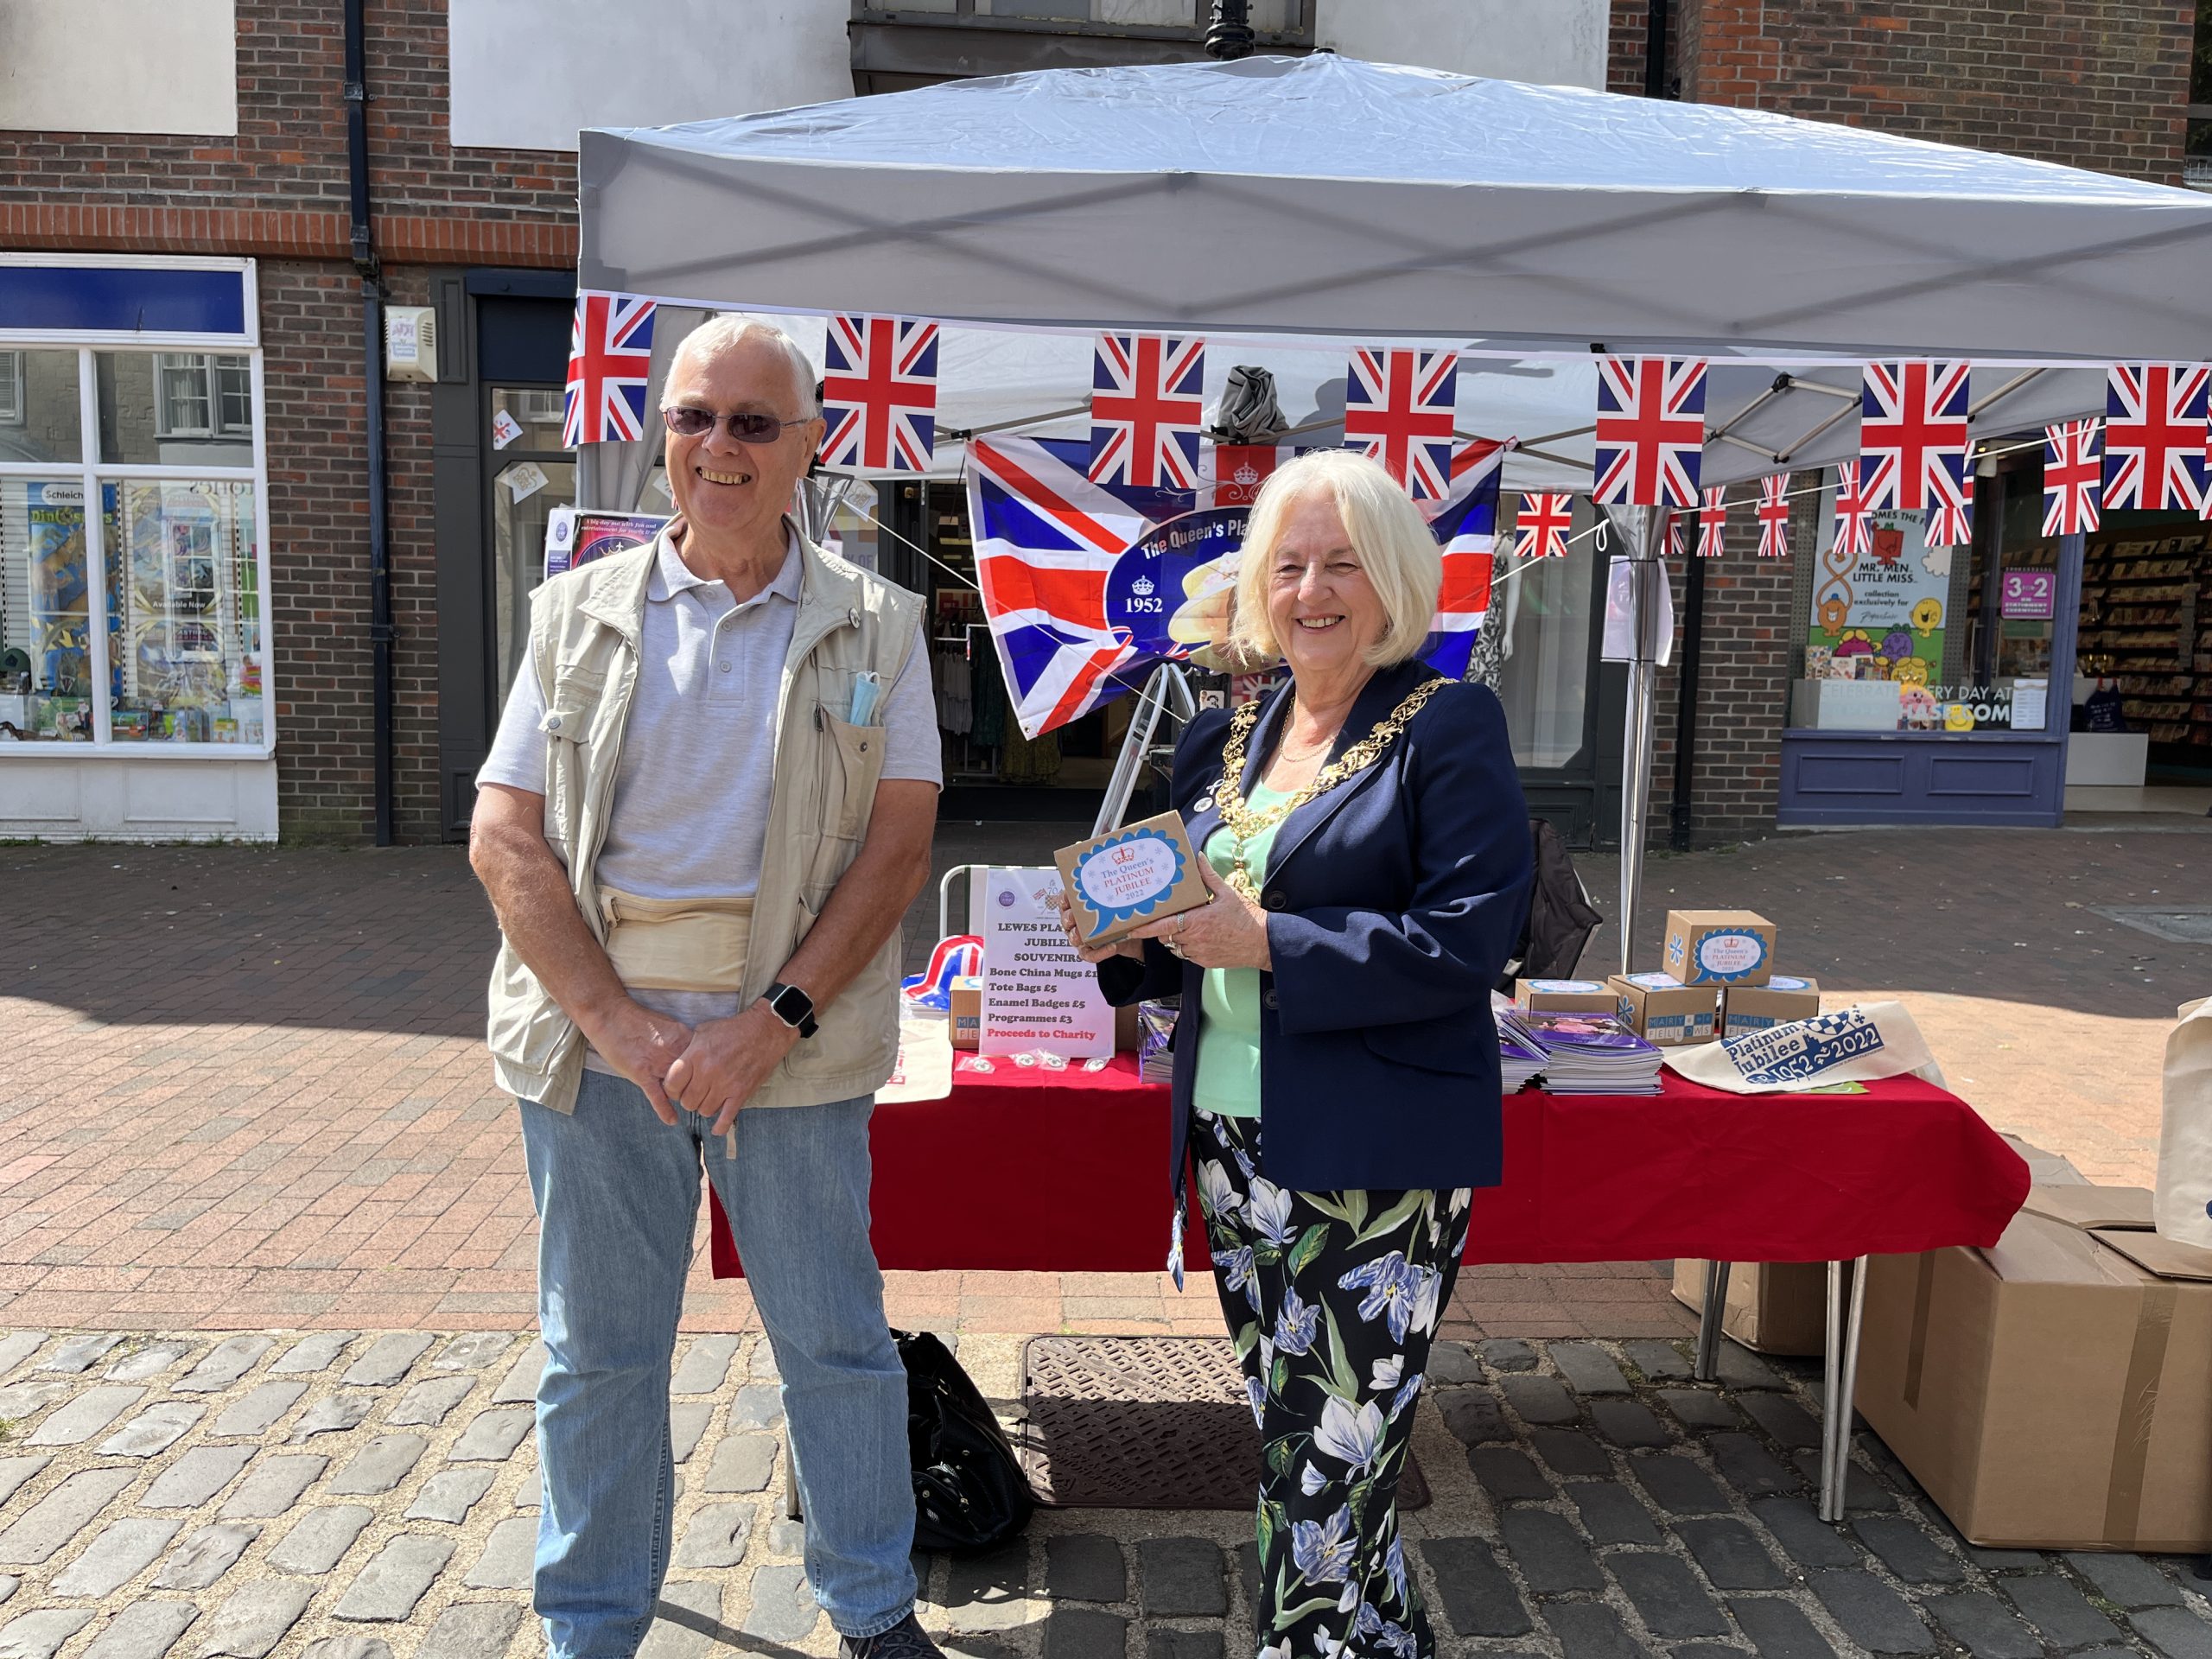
<point>381,633</point>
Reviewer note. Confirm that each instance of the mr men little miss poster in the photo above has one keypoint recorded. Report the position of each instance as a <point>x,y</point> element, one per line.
<point>1880,615</point>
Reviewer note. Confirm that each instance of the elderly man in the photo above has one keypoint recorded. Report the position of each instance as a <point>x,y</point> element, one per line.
<point>709,805</point>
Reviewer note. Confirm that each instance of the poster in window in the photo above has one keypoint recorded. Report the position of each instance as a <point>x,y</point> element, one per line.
<point>1880,615</point>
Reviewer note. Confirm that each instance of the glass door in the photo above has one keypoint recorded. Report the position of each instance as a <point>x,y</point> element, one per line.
<point>531,474</point>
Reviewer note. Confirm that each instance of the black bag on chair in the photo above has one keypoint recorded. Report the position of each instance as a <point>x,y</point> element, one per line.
<point>970,1492</point>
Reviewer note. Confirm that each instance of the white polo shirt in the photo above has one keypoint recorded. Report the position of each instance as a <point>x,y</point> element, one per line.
<point>689,817</point>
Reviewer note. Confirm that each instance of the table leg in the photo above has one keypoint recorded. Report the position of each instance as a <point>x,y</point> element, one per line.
<point>1831,1392</point>
<point>1709,1321</point>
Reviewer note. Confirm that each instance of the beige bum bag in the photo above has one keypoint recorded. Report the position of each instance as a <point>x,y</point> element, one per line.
<point>676,944</point>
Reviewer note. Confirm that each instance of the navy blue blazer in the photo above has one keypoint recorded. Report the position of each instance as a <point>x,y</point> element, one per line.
<point>1394,900</point>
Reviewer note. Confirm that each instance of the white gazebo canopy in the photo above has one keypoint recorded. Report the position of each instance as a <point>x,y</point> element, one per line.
<point>1324,196</point>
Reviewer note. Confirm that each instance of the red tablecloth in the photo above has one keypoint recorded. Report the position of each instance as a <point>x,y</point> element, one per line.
<point>1064,1172</point>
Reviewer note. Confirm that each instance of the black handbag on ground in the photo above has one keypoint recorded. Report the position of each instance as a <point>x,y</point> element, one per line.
<point>970,1492</point>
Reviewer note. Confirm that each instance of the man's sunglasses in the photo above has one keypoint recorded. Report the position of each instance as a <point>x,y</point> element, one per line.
<point>748,426</point>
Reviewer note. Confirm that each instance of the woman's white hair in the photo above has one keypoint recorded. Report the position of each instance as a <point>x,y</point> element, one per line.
<point>1402,561</point>
<point>719,334</point>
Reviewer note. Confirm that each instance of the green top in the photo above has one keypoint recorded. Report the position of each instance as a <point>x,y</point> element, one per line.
<point>1228,1081</point>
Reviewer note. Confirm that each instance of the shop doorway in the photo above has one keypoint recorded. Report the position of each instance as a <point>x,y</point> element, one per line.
<point>2141,726</point>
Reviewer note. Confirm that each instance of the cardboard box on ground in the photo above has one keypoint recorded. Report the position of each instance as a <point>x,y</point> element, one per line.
<point>2055,1390</point>
<point>1772,1308</point>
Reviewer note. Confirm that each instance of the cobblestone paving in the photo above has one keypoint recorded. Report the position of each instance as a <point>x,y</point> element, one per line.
<point>367,1496</point>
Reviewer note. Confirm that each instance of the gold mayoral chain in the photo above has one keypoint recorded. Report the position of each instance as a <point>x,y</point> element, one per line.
<point>1245,823</point>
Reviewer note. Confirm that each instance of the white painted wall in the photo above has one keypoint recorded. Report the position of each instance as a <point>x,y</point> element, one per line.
<point>1554,42</point>
<point>119,66</point>
<point>82,796</point>
<point>528,74</point>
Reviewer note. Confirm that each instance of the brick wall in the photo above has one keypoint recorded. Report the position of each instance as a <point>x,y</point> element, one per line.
<point>1743,683</point>
<point>2096,84</point>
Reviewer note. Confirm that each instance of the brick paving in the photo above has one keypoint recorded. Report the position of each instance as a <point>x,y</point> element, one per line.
<point>367,1496</point>
<point>243,1087</point>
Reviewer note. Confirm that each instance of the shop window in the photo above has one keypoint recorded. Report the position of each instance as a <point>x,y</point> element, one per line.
<point>39,405</point>
<point>131,600</point>
<point>175,409</point>
<point>189,624</point>
<point>1906,637</point>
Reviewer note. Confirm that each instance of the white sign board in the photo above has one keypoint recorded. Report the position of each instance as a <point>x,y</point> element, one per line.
<point>1037,993</point>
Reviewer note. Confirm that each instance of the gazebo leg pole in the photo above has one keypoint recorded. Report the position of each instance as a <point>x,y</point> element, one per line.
<point>1708,1322</point>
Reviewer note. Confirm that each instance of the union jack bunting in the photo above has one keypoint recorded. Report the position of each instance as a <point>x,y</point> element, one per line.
<point>1712,523</point>
<point>2072,479</point>
<point>1774,515</point>
<point>1950,520</point>
<point>1912,433</point>
<point>610,360</point>
<point>1854,521</point>
<point>1399,409</point>
<point>1540,530</point>
<point>2155,437</point>
<point>1650,436</point>
<point>1048,538</point>
<point>1147,405</point>
<point>1238,470</point>
<point>878,394</point>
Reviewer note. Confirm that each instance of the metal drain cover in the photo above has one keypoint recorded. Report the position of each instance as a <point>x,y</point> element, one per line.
<point>2176,924</point>
<point>1146,1423</point>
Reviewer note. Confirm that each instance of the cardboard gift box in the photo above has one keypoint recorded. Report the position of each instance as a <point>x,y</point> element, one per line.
<point>1662,1010</point>
<point>967,1011</point>
<point>1772,1308</point>
<point>1143,872</point>
<point>2055,1390</point>
<point>1718,947</point>
<point>1567,996</point>
<point>1783,1000</point>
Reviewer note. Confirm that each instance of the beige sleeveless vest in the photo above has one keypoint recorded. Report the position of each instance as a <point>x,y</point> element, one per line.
<point>585,628</point>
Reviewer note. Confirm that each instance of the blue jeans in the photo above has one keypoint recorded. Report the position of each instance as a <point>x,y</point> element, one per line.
<point>617,1193</point>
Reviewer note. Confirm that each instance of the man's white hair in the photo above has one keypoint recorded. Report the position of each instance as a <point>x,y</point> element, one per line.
<point>719,334</point>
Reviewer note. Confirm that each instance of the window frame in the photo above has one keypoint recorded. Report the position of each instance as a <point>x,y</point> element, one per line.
<point>94,474</point>
<point>15,412</point>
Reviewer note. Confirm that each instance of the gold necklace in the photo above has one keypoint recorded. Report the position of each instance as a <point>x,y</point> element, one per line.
<point>1243,822</point>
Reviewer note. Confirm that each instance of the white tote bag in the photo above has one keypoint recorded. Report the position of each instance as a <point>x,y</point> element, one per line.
<point>1855,1045</point>
<point>2181,1209</point>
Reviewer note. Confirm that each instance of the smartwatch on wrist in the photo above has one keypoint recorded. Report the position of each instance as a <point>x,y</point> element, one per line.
<point>791,1005</point>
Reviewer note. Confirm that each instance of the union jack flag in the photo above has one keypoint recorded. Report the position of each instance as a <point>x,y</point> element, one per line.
<point>2072,479</point>
<point>1399,409</point>
<point>1539,529</point>
<point>2155,437</point>
<point>1774,515</point>
<point>1650,437</point>
<point>1854,520</point>
<point>1047,536</point>
<point>610,361</point>
<point>1912,433</point>
<point>1712,523</point>
<point>878,394</point>
<point>1147,405</point>
<point>1950,518</point>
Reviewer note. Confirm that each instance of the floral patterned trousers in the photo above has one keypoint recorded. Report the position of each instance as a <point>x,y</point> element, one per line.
<point>1333,1300</point>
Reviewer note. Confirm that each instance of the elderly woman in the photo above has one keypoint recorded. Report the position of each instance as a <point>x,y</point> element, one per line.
<point>1336,1067</point>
